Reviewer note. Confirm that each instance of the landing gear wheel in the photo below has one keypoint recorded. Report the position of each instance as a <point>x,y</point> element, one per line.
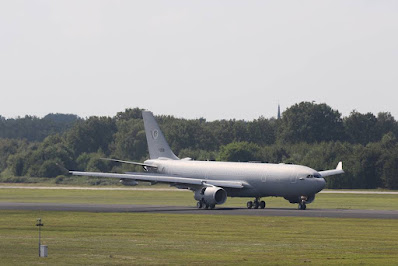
<point>249,204</point>
<point>262,204</point>
<point>199,205</point>
<point>302,206</point>
<point>256,204</point>
<point>207,206</point>
<point>212,206</point>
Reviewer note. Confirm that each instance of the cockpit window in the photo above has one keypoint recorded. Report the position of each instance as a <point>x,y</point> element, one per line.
<point>314,176</point>
<point>317,175</point>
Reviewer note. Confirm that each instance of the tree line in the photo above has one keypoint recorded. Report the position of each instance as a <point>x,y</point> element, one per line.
<point>33,128</point>
<point>308,133</point>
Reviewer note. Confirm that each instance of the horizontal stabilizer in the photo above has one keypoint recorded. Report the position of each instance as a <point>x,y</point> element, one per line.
<point>130,162</point>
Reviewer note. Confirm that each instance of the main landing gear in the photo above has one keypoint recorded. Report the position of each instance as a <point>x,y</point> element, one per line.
<point>202,205</point>
<point>256,204</point>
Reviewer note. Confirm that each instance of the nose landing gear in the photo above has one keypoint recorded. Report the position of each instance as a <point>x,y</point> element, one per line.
<point>302,204</point>
<point>256,204</point>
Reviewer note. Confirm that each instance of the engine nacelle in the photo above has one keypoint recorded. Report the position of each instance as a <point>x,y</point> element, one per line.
<point>306,199</point>
<point>128,182</point>
<point>211,195</point>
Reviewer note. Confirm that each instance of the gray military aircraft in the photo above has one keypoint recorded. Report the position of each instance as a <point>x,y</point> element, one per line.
<point>212,182</point>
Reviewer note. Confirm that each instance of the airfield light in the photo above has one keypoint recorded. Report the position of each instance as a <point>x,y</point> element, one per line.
<point>39,224</point>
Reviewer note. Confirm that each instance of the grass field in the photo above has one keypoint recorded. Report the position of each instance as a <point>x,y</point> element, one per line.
<point>125,238</point>
<point>185,198</point>
<point>130,238</point>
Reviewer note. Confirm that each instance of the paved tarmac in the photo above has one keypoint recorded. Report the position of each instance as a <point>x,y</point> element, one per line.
<point>328,191</point>
<point>330,213</point>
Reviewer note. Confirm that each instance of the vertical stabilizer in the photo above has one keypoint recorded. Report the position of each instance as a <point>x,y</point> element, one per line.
<point>157,144</point>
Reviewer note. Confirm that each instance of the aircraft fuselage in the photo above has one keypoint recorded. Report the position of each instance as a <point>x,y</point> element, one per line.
<point>261,179</point>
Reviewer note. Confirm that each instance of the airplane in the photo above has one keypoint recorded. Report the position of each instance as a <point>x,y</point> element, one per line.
<point>213,181</point>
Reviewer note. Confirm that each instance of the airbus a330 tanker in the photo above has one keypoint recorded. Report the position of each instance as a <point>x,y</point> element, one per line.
<point>212,182</point>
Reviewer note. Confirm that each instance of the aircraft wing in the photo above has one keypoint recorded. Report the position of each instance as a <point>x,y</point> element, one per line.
<point>153,177</point>
<point>337,171</point>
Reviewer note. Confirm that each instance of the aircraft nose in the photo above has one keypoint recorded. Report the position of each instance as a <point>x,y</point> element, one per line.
<point>322,183</point>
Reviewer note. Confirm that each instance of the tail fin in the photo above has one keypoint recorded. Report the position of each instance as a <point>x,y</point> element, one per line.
<point>157,144</point>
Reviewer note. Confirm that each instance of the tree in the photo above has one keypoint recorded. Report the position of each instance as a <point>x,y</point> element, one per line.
<point>33,128</point>
<point>386,123</point>
<point>16,163</point>
<point>262,131</point>
<point>130,140</point>
<point>46,159</point>
<point>90,135</point>
<point>311,123</point>
<point>97,164</point>
<point>305,135</point>
<point>390,171</point>
<point>50,168</point>
<point>371,167</point>
<point>10,147</point>
<point>361,128</point>
<point>129,113</point>
<point>239,152</point>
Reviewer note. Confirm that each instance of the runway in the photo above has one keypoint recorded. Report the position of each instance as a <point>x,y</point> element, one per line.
<point>328,191</point>
<point>287,212</point>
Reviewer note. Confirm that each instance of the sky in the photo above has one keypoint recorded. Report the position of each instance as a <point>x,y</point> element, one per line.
<point>211,59</point>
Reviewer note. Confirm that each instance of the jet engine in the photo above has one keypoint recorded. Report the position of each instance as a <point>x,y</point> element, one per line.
<point>128,182</point>
<point>211,195</point>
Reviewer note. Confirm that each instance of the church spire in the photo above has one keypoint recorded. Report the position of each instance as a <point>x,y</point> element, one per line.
<point>279,111</point>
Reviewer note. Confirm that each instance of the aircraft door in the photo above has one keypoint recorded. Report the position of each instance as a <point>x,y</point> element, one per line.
<point>264,177</point>
<point>293,177</point>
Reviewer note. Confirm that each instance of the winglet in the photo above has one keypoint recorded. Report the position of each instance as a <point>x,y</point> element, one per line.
<point>337,171</point>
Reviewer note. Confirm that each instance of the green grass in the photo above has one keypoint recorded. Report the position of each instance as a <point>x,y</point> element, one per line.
<point>185,198</point>
<point>76,238</point>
